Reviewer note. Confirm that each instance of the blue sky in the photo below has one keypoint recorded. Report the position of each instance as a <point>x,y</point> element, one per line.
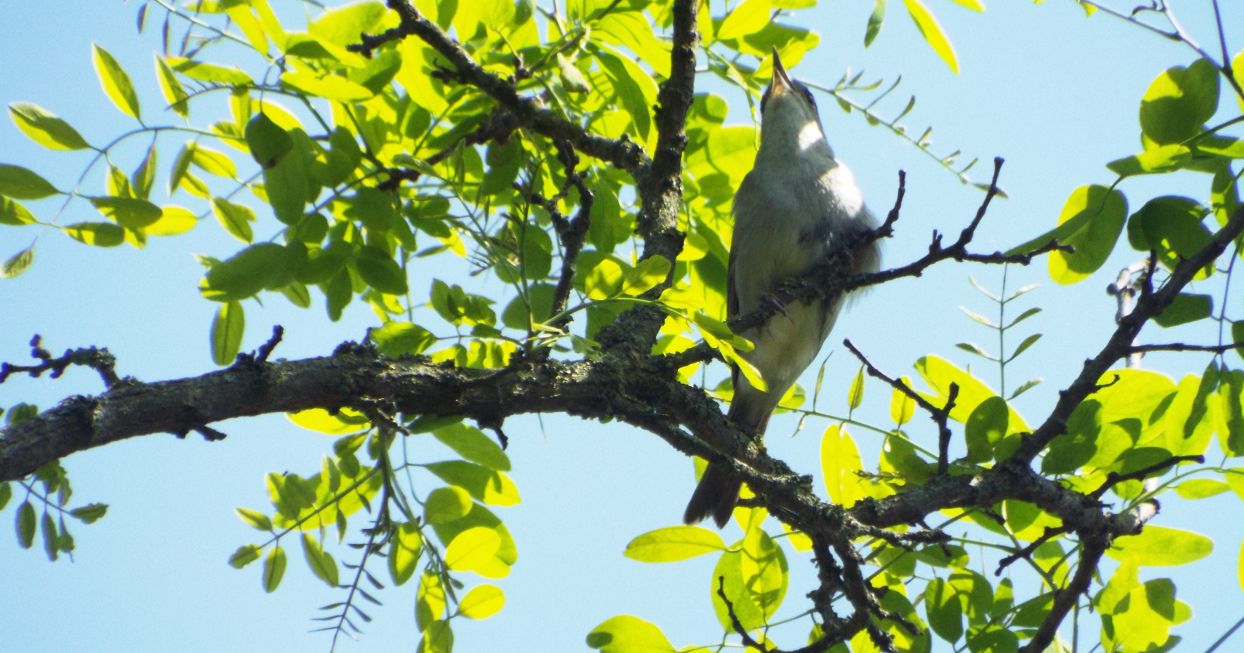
<point>1052,91</point>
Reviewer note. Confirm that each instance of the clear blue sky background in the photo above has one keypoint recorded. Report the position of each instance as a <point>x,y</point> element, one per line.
<point>1054,92</point>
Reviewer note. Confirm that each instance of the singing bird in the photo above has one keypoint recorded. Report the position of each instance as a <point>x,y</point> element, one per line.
<point>796,206</point>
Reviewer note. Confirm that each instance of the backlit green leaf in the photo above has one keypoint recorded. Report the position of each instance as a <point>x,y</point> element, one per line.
<point>227,329</point>
<point>986,426</point>
<point>13,213</point>
<point>128,212</point>
<point>944,610</point>
<point>1178,102</point>
<point>627,634</point>
<point>99,234</point>
<point>490,486</point>
<point>841,465</point>
<point>1186,307</point>
<point>674,543</point>
<point>1091,221</point>
<point>209,72</point>
<point>17,263</point>
<point>235,218</point>
<point>402,338</point>
<point>473,445</point>
<point>19,183</point>
<point>25,522</point>
<point>273,568</point>
<point>932,32</point>
<point>1159,546</point>
<point>116,82</point>
<point>472,549</point>
<point>260,266</point>
<point>172,90</point>
<point>246,554</point>
<point>405,548</point>
<point>320,561</point>
<point>254,518</point>
<point>446,504</point>
<point>266,140</point>
<point>45,128</point>
<point>380,271</point>
<point>482,601</point>
<point>875,20</point>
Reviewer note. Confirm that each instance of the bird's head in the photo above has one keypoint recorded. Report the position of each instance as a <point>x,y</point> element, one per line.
<point>789,120</point>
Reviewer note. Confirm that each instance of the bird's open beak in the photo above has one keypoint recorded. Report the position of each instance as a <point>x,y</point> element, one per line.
<point>781,82</point>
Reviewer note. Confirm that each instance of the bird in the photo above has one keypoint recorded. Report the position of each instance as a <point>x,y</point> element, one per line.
<point>798,204</point>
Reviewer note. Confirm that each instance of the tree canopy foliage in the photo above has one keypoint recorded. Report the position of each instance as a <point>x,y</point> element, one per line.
<point>569,153</point>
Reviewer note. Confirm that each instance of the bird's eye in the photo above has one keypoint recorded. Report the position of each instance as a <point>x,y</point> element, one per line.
<point>807,94</point>
<point>764,99</point>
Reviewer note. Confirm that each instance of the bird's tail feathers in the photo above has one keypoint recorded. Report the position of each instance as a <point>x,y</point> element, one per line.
<point>718,490</point>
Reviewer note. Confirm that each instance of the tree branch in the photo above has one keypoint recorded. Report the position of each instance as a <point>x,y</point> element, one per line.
<point>1149,304</point>
<point>621,152</point>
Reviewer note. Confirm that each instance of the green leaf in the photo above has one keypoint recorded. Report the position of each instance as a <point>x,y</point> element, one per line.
<point>286,184</point>
<point>213,162</point>
<point>986,426</point>
<point>45,128</point>
<point>1201,488</point>
<point>446,504</point>
<point>933,33</point>
<point>99,234</point>
<point>472,549</point>
<point>1158,546</point>
<point>116,82</point>
<point>227,329</point>
<point>490,486</point>
<point>128,212</point>
<point>855,395</point>
<point>401,338</point>
<point>943,609</point>
<point>209,72</point>
<point>875,19</point>
<point>1171,226</point>
<point>273,568</point>
<point>19,183</point>
<point>246,554</point>
<point>267,141</point>
<point>747,17</point>
<point>473,445</point>
<point>18,263</point>
<point>172,90</point>
<point>260,266</point>
<point>627,634</point>
<point>405,547</point>
<point>841,465</point>
<point>254,518</point>
<point>320,561</point>
<point>25,523</point>
<point>1185,308</point>
<point>14,214</point>
<point>1178,102</point>
<point>372,208</point>
<point>902,407</point>
<point>380,271</point>
<point>143,179</point>
<point>47,529</point>
<point>235,218</point>
<point>482,601</point>
<point>1091,221</point>
<point>6,493</point>
<point>1143,619</point>
<point>326,85</point>
<point>1164,158</point>
<point>674,543</point>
